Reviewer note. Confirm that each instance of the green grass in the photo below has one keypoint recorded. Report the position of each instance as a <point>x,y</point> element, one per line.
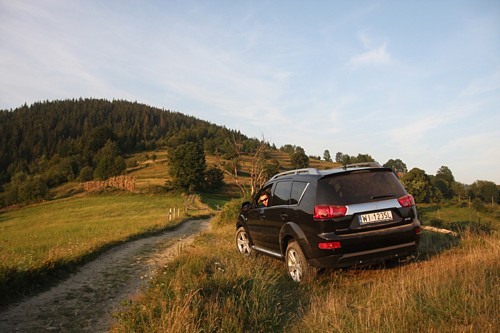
<point>452,287</point>
<point>38,239</point>
<point>215,200</point>
<point>459,218</point>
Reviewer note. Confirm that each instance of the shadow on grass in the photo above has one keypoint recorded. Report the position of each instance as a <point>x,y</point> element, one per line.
<point>215,200</point>
<point>433,243</point>
<point>423,211</point>
<point>269,306</point>
<point>3,218</point>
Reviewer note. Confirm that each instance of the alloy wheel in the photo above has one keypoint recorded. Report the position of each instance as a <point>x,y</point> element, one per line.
<point>243,243</point>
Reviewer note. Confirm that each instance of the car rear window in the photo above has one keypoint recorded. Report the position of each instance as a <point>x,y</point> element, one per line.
<point>297,190</point>
<point>357,187</point>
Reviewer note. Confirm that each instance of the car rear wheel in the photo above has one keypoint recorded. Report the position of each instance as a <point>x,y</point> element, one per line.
<point>242,242</point>
<point>296,264</point>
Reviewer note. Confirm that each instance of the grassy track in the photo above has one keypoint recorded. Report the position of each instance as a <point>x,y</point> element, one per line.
<point>38,239</point>
<point>453,287</point>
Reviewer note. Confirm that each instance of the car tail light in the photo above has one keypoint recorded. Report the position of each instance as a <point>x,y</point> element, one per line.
<point>329,245</point>
<point>418,230</point>
<point>407,201</point>
<point>328,212</point>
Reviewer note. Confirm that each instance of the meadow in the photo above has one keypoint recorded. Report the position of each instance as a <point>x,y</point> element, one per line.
<point>39,241</point>
<point>453,286</point>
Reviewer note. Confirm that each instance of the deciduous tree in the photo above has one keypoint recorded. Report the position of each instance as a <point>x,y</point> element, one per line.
<point>187,166</point>
<point>418,184</point>
<point>299,158</point>
<point>398,166</point>
<point>326,156</point>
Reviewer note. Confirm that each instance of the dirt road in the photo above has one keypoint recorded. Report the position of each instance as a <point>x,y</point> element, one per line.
<point>86,301</point>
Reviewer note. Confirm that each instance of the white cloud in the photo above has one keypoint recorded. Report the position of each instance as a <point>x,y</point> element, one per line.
<point>374,56</point>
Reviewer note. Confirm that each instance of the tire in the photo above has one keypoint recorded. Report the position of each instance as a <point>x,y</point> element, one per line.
<point>296,264</point>
<point>242,242</point>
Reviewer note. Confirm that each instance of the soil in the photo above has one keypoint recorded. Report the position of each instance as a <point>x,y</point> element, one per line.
<point>86,301</point>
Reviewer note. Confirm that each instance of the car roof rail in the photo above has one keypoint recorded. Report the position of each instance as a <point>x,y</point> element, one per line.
<point>306,171</point>
<point>363,165</point>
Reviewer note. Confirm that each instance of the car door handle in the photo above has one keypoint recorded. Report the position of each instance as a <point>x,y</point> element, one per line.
<point>284,216</point>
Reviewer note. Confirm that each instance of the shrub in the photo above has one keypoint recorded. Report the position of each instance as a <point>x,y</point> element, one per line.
<point>86,174</point>
<point>476,227</point>
<point>132,162</point>
<point>214,178</point>
<point>229,213</point>
<point>438,223</point>
<point>478,205</point>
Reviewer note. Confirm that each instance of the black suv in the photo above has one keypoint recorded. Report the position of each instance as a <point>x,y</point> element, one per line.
<point>355,215</point>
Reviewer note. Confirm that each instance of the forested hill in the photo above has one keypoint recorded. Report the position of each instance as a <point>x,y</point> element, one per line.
<point>80,128</point>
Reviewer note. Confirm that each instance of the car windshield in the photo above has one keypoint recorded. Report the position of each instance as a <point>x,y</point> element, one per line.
<point>357,187</point>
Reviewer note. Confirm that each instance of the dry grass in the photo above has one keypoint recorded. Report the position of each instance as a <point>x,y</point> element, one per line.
<point>210,289</point>
<point>453,287</point>
<point>456,291</point>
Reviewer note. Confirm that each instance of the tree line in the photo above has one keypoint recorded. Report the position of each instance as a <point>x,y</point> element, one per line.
<point>48,143</point>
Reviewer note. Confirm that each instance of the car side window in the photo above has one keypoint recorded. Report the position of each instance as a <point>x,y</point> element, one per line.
<point>281,195</point>
<point>297,191</point>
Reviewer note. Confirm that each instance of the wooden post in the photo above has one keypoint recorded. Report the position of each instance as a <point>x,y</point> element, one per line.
<point>170,214</point>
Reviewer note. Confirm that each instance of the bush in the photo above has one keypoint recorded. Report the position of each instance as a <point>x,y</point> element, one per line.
<point>132,162</point>
<point>438,223</point>
<point>229,213</point>
<point>24,189</point>
<point>214,178</point>
<point>479,206</point>
<point>156,189</point>
<point>32,190</point>
<point>86,174</point>
<point>476,227</point>
<point>463,204</point>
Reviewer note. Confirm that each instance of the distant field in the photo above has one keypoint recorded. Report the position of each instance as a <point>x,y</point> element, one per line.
<point>37,239</point>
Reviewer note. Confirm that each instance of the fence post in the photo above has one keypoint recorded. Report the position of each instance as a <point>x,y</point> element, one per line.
<point>170,214</point>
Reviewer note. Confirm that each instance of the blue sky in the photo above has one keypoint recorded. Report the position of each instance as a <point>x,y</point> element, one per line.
<point>415,80</point>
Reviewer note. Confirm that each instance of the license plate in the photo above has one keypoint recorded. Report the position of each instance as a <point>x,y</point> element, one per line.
<point>376,217</point>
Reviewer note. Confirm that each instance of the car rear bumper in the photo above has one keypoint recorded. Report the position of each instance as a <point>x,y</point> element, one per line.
<point>365,257</point>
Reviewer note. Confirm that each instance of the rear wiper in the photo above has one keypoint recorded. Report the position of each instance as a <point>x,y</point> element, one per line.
<point>383,196</point>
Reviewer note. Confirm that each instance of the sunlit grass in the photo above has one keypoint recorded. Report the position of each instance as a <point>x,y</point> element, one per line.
<point>452,287</point>
<point>41,237</point>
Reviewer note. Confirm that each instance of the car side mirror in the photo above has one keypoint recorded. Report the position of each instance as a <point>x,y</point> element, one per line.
<point>246,206</point>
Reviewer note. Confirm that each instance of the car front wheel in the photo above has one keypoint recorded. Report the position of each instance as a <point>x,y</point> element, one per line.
<point>242,242</point>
